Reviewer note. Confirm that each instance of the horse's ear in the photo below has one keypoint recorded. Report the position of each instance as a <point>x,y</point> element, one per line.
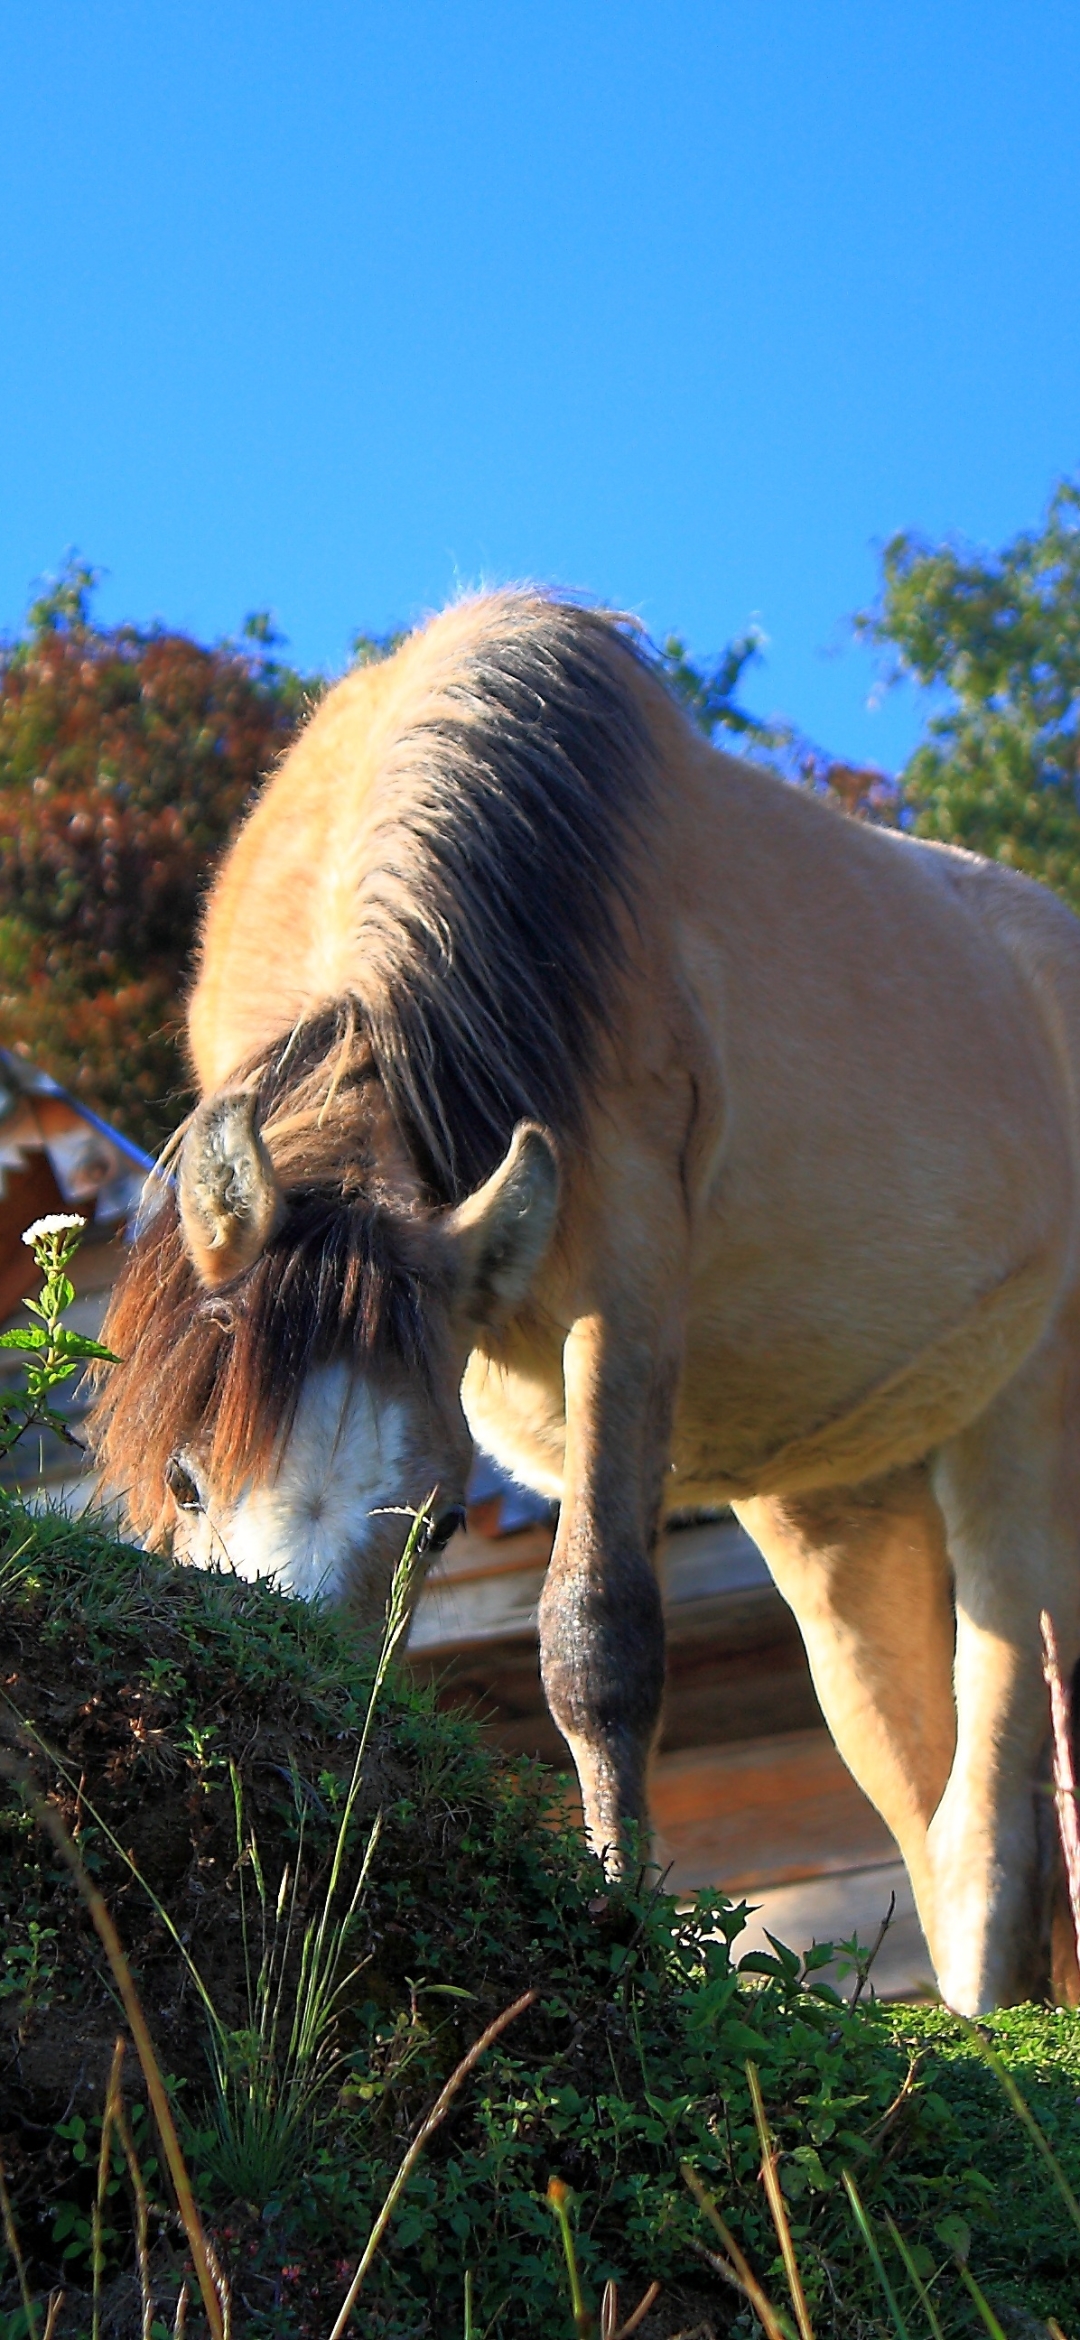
<point>501,1233</point>
<point>230,1203</point>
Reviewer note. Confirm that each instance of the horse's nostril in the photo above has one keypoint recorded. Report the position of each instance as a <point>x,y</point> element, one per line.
<point>445,1526</point>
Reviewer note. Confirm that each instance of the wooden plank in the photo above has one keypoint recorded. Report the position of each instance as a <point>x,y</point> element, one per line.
<point>29,1193</point>
<point>767,1811</point>
<point>736,1663</point>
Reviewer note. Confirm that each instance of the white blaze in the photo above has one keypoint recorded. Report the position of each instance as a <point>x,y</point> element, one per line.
<point>344,1459</point>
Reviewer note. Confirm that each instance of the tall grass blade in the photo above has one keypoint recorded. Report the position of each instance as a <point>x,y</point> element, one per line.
<point>778,2207</point>
<point>264,2099</point>
<point>981,2302</point>
<point>878,2263</point>
<point>52,2318</point>
<point>427,2129</point>
<point>736,2269</point>
<point>1023,2112</point>
<point>50,1820</point>
<point>914,2277</point>
<point>558,2197</point>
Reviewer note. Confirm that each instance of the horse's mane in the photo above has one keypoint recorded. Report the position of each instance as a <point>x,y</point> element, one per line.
<point>492,910</point>
<point>497,883</point>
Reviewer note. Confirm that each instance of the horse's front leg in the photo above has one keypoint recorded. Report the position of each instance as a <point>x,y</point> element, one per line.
<point>601,1621</point>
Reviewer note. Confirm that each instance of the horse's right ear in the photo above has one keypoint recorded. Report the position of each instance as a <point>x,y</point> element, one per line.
<point>230,1202</point>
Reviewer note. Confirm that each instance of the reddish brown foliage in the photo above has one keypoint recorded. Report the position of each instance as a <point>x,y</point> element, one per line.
<point>126,758</point>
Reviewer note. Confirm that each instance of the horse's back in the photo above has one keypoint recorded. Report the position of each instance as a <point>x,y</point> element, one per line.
<point>888,1199</point>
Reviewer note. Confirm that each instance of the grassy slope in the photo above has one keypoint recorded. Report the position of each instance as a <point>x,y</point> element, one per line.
<point>149,1683</point>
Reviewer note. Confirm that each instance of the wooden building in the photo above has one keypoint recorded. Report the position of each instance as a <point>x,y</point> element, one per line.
<point>57,1155</point>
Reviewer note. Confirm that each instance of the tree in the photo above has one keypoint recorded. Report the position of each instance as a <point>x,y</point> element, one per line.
<point>995,637</point>
<point>708,693</point>
<point>126,757</point>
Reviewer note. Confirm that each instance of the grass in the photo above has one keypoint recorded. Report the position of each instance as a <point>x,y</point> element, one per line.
<point>204,1733</point>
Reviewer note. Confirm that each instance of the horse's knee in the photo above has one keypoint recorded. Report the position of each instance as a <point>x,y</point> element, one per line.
<point>602,1661</point>
<point>602,1644</point>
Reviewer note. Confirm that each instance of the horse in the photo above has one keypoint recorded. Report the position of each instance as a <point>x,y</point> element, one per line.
<point>568,1085</point>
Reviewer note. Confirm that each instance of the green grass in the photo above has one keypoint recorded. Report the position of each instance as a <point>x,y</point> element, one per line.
<point>167,1695</point>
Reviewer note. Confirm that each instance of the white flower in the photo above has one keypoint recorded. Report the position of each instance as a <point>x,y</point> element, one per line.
<point>57,1223</point>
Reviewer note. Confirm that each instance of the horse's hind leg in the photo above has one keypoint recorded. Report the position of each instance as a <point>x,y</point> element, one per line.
<point>866,1572</point>
<point>1009,1490</point>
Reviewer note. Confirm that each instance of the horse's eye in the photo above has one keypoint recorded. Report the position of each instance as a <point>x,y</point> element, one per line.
<point>445,1526</point>
<point>181,1485</point>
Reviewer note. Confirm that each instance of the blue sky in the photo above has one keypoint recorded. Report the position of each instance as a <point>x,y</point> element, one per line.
<point>333,308</point>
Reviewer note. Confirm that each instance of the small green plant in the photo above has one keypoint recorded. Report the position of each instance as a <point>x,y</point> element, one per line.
<point>53,1351</point>
<point>211,1729</point>
<point>271,2075</point>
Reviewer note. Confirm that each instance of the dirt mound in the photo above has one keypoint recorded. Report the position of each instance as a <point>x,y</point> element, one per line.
<point>199,1736</point>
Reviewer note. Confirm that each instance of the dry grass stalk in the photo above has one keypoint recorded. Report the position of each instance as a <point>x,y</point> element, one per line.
<point>1064,1778</point>
<point>610,2327</point>
<point>735,2269</point>
<point>142,2206</point>
<point>11,2237</point>
<point>427,2129</point>
<point>97,2215</point>
<point>56,2301</point>
<point>778,2207</point>
<point>214,2293</point>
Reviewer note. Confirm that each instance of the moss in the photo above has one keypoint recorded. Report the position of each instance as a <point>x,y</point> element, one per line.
<point>154,1688</point>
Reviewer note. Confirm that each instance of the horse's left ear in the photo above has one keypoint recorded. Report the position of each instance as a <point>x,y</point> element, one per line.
<point>499,1236</point>
<point>230,1203</point>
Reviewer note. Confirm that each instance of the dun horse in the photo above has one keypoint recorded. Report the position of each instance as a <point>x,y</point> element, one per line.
<point>568,1084</point>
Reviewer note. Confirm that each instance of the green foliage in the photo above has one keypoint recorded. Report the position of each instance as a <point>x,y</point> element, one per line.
<point>272,2072</point>
<point>709,693</point>
<point>170,1682</point>
<point>371,649</point>
<point>126,757</point>
<point>995,639</point>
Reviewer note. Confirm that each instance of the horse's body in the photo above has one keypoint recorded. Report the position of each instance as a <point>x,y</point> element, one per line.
<point>814,1092</point>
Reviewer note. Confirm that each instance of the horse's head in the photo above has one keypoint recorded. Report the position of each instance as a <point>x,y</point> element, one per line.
<point>292,1358</point>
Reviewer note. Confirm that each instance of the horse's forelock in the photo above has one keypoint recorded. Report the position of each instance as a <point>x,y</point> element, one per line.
<point>223,1371</point>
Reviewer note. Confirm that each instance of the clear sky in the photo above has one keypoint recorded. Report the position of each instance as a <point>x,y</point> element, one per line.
<point>333,306</point>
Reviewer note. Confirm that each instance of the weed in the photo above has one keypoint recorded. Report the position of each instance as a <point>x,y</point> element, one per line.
<point>270,2075</point>
<point>52,1350</point>
<point>210,1730</point>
